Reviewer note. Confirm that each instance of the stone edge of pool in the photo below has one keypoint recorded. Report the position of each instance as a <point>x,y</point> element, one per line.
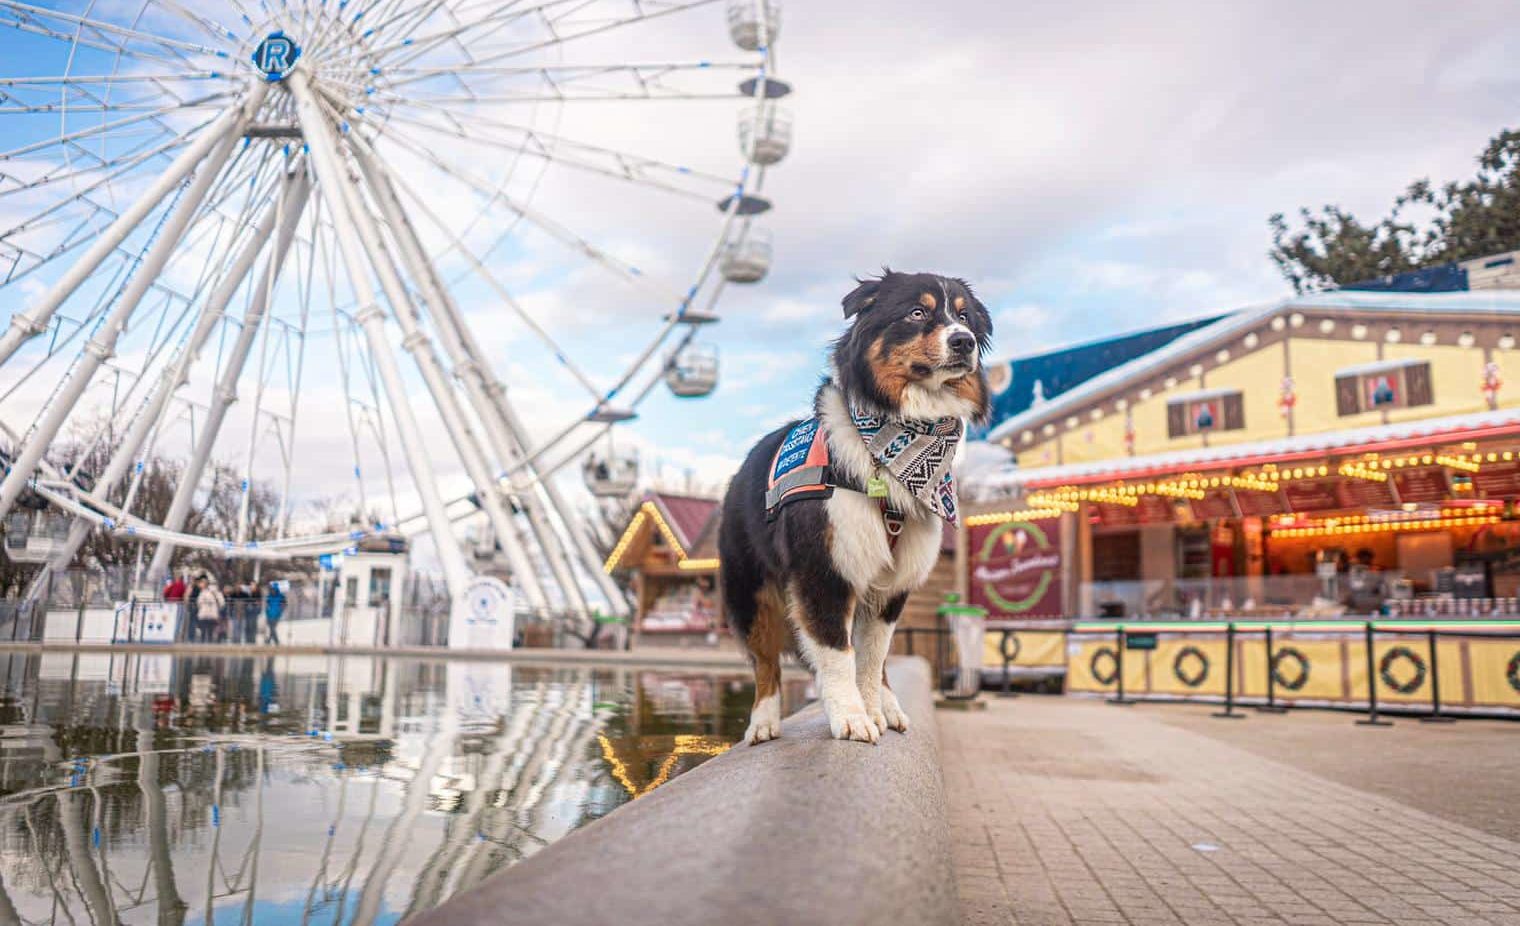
<point>804,829</point>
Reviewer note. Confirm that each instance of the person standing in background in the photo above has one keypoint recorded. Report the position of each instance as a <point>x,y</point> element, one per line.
<point>208,608</point>
<point>274,609</point>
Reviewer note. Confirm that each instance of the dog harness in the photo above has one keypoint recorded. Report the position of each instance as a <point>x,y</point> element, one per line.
<point>917,454</point>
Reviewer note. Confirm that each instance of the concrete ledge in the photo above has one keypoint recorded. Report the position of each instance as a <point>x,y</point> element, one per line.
<point>800,830</point>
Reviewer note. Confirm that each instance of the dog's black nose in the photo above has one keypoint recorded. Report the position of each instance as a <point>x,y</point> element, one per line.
<point>962,343</point>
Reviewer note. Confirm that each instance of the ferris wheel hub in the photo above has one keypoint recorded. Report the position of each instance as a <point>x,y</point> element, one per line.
<point>276,56</point>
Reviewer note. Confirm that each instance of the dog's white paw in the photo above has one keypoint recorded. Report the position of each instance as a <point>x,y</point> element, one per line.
<point>764,721</point>
<point>892,715</point>
<point>762,731</point>
<point>854,725</point>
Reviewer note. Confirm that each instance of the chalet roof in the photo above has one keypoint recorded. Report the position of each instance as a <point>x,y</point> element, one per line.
<point>687,515</point>
<point>1497,303</point>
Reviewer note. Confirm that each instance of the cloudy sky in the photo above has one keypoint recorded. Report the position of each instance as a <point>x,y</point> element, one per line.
<point>1090,167</point>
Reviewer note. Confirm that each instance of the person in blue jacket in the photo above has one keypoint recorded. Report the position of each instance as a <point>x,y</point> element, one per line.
<point>274,609</point>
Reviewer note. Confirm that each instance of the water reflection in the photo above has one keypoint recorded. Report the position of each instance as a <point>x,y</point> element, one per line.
<point>312,789</point>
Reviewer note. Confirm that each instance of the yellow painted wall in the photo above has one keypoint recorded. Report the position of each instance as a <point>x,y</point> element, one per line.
<point>1455,374</point>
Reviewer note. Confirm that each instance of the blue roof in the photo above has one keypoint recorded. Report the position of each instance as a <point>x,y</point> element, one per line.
<point>1447,278</point>
<point>1063,369</point>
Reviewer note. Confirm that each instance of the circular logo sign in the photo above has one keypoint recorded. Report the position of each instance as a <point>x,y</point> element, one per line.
<point>276,55</point>
<point>1015,566</point>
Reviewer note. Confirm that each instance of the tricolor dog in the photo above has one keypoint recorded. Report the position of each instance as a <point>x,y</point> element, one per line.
<point>832,521</point>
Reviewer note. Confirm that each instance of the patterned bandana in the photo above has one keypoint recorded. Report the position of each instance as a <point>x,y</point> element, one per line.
<point>917,453</point>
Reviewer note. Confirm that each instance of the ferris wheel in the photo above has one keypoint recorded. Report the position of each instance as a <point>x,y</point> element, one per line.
<point>257,236</point>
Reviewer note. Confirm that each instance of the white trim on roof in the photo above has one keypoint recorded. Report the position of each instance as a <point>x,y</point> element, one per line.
<point>1379,366</point>
<point>1202,394</point>
<point>1329,441</point>
<point>1497,302</point>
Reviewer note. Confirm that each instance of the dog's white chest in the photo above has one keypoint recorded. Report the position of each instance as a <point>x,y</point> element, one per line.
<point>865,557</point>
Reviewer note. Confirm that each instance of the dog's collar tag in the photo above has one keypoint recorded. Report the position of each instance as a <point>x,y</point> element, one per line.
<point>876,486</point>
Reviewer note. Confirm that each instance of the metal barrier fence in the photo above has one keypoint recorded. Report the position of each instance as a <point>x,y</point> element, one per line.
<point>1431,712</point>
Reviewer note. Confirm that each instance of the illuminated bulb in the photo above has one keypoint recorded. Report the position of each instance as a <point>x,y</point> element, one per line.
<point>1071,422</point>
<point>1222,357</point>
<point>1049,429</point>
<point>1095,414</point>
<point>1326,325</point>
<point>1506,341</point>
<point>1296,319</point>
<point>1359,331</point>
<point>1278,324</point>
<point>1466,339</point>
<point>1027,437</point>
<point>1121,404</point>
<point>1251,340</point>
<point>1428,338</point>
<point>1145,394</point>
<point>1393,336</point>
<point>1170,382</point>
<point>1195,370</point>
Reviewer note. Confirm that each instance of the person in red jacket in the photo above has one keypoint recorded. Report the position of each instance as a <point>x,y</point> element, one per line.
<point>175,590</point>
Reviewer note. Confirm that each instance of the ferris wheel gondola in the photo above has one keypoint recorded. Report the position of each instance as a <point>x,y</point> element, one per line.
<point>216,209</point>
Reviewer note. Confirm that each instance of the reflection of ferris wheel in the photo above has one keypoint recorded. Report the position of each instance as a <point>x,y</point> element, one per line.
<point>215,211</point>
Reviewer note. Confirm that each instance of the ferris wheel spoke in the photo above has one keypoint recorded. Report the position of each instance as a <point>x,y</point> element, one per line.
<point>84,193</point>
<point>554,229</point>
<point>479,268</point>
<point>103,341</point>
<point>72,38</point>
<point>609,162</point>
<point>562,74</point>
<point>103,28</point>
<point>107,128</point>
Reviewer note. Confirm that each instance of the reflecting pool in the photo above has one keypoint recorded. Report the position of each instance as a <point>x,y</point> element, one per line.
<point>141,788</point>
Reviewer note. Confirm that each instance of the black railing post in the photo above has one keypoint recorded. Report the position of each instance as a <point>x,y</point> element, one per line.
<point>1372,719</point>
<point>910,640</point>
<point>1007,663</point>
<point>1435,684</point>
<point>1229,674</point>
<point>1271,707</point>
<point>1121,638</point>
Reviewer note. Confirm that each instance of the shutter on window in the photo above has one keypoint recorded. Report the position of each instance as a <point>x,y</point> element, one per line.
<point>1417,386</point>
<point>1176,419</point>
<point>1234,412</point>
<point>1347,395</point>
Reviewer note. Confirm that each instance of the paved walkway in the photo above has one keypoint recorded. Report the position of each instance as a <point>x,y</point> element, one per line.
<point>1066,810</point>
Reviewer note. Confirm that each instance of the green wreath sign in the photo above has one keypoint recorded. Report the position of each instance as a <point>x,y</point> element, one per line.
<point>1512,671</point>
<point>1192,680</point>
<point>1298,680</point>
<point>1385,670</point>
<point>1112,675</point>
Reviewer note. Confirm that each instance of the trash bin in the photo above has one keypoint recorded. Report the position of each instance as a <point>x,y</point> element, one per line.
<point>968,632</point>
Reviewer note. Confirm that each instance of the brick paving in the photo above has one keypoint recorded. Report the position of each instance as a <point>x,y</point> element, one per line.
<point>1066,810</point>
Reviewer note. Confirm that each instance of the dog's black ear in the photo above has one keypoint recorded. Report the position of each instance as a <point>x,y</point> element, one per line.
<point>860,298</point>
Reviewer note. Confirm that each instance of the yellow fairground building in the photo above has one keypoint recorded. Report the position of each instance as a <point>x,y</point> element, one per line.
<point>1305,467</point>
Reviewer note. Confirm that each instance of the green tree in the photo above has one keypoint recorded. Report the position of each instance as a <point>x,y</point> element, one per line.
<point>1463,220</point>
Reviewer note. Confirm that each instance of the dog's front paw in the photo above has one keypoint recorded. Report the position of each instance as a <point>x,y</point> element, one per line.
<point>764,721</point>
<point>854,725</point>
<point>893,716</point>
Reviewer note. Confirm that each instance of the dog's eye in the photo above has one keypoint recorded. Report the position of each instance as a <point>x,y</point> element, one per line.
<point>917,315</point>
<point>965,317</point>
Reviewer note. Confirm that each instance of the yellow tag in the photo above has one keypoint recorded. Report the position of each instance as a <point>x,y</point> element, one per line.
<point>876,487</point>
